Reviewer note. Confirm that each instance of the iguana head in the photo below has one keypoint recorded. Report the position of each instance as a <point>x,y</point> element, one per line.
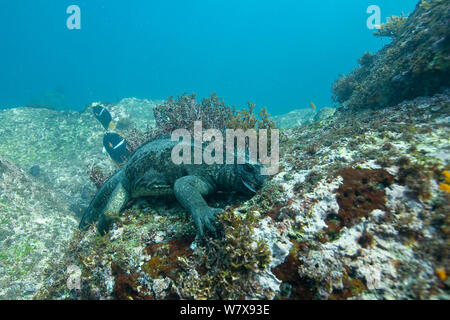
<point>250,179</point>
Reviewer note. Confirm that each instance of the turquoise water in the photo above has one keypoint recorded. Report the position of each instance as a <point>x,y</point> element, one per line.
<point>279,54</point>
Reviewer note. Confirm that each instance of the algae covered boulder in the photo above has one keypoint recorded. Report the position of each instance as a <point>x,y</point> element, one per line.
<point>63,144</point>
<point>416,63</point>
<point>35,221</point>
<point>295,118</point>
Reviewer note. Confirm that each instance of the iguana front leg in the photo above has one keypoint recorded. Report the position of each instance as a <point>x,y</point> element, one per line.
<point>189,191</point>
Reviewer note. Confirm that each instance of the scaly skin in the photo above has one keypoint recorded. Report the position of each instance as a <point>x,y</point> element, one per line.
<point>151,172</point>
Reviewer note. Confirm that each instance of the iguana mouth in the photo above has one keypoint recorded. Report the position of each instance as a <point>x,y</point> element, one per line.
<point>249,186</point>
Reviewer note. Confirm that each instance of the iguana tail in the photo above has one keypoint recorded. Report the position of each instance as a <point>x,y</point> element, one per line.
<point>111,198</point>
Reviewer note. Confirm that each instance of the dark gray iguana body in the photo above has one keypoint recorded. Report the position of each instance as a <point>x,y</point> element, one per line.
<point>151,172</point>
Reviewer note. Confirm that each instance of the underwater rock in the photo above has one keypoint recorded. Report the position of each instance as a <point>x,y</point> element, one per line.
<point>34,224</point>
<point>2,167</point>
<point>130,112</point>
<point>300,117</point>
<point>124,124</point>
<point>51,99</point>
<point>415,64</point>
<point>294,118</point>
<point>324,114</point>
<point>77,209</point>
<point>65,143</point>
<point>358,211</point>
<point>388,250</point>
<point>35,171</point>
<point>87,193</point>
<point>160,286</point>
<point>62,142</point>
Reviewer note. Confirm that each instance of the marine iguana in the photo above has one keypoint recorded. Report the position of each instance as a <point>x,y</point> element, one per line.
<point>150,171</point>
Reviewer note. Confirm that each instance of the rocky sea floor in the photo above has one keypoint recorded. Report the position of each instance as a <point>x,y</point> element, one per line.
<point>356,212</point>
<point>359,209</point>
<point>44,183</point>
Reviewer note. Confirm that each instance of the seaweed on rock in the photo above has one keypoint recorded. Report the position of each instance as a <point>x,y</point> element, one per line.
<point>229,265</point>
<point>361,193</point>
<point>415,64</point>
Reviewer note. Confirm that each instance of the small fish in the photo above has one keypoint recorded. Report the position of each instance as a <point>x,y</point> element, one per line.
<point>103,116</point>
<point>116,146</point>
<point>313,105</point>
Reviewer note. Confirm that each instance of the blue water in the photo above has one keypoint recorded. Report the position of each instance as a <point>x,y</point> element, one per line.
<point>280,54</point>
